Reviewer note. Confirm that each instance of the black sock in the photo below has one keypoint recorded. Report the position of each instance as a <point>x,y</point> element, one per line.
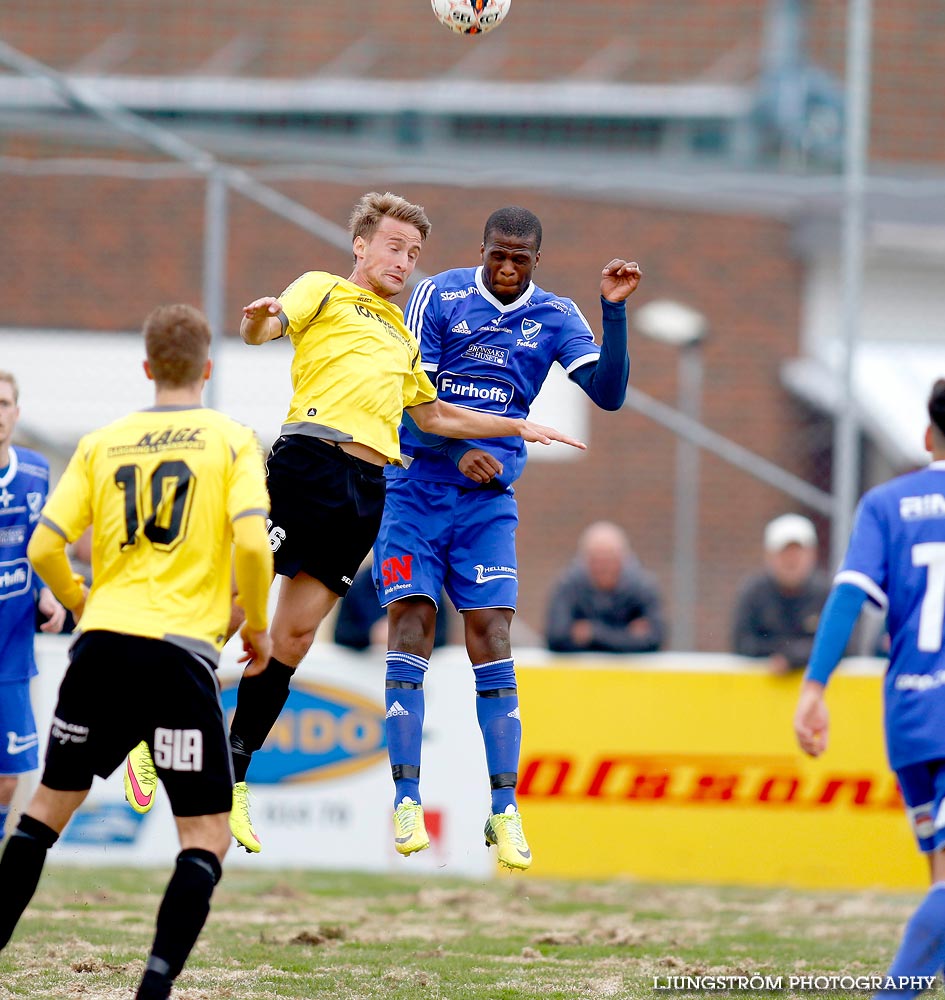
<point>259,700</point>
<point>180,919</point>
<point>20,869</point>
<point>155,985</point>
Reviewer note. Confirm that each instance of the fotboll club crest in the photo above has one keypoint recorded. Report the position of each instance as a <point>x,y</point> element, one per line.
<point>35,503</point>
<point>530,328</point>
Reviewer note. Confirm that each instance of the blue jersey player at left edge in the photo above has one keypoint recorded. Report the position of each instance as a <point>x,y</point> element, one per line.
<point>488,337</point>
<point>896,559</point>
<point>24,483</point>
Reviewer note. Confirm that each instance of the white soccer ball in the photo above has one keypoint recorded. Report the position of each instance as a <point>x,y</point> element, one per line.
<point>471,17</point>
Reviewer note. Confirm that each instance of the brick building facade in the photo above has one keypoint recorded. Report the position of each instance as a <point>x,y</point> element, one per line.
<point>98,252</point>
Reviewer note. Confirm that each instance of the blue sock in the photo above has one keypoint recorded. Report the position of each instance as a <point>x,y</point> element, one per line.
<point>497,710</point>
<point>404,722</point>
<point>4,812</point>
<point>922,952</point>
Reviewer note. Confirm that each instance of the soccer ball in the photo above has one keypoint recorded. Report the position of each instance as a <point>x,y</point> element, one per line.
<point>471,17</point>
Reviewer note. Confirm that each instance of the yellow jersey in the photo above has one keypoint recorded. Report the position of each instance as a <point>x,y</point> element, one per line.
<point>356,365</point>
<point>161,488</point>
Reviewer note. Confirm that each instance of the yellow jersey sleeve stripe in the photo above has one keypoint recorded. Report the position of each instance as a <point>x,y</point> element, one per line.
<point>53,526</point>
<point>252,512</point>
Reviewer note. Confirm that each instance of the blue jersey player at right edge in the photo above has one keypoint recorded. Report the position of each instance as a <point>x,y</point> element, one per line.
<point>896,558</point>
<point>488,338</point>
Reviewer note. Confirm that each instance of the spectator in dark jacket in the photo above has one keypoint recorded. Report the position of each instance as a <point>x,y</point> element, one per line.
<point>605,602</point>
<point>777,611</point>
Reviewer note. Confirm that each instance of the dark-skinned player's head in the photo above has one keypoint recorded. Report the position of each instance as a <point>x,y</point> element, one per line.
<point>514,221</point>
<point>511,246</point>
<point>937,416</point>
<point>177,343</point>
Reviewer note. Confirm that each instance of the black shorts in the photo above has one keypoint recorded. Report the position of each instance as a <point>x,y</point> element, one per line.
<point>326,509</point>
<point>122,689</point>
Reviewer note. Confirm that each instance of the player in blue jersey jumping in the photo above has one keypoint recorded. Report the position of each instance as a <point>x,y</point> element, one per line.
<point>896,559</point>
<point>488,338</point>
<point>24,483</point>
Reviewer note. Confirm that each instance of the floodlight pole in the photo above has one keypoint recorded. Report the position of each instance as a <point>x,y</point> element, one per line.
<point>846,456</point>
<point>686,501</point>
<point>216,209</point>
<point>684,328</point>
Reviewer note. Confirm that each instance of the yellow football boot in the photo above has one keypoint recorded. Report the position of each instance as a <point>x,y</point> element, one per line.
<point>241,826</point>
<point>140,778</point>
<point>410,832</point>
<point>505,831</point>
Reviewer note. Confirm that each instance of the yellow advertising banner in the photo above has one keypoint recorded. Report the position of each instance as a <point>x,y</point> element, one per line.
<point>676,774</point>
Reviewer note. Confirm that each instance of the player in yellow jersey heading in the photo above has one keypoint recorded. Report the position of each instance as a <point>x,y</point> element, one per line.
<point>176,497</point>
<point>355,369</point>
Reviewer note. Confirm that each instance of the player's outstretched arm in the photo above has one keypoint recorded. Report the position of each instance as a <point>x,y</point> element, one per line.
<point>811,719</point>
<point>605,381</point>
<point>252,567</point>
<point>474,463</point>
<point>452,421</point>
<point>619,279</point>
<point>260,321</point>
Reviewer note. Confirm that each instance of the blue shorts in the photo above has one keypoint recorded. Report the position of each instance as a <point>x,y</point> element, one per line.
<point>923,791</point>
<point>443,536</point>
<point>19,743</point>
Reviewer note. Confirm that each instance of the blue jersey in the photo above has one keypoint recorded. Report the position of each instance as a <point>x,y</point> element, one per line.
<point>486,355</point>
<point>897,556</point>
<point>23,488</point>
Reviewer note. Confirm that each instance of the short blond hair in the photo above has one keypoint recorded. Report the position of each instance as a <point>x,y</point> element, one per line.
<point>372,207</point>
<point>9,377</point>
<point>177,343</point>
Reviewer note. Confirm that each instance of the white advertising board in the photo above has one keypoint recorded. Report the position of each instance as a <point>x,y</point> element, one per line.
<point>322,795</point>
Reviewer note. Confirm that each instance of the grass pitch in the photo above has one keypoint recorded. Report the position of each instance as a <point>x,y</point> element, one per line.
<point>352,936</point>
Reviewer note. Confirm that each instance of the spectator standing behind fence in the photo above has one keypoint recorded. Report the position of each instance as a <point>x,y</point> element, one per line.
<point>605,602</point>
<point>778,610</point>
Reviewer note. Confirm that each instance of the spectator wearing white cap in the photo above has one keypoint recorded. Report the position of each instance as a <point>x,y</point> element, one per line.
<point>777,611</point>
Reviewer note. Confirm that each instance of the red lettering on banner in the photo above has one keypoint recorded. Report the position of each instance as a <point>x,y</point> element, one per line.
<point>780,788</point>
<point>649,786</point>
<point>861,788</point>
<point>594,789</point>
<point>396,568</point>
<point>679,779</point>
<point>535,769</point>
<point>639,784</point>
<point>714,786</point>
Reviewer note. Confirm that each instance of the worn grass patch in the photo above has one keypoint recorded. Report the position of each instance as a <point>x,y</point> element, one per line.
<point>352,937</point>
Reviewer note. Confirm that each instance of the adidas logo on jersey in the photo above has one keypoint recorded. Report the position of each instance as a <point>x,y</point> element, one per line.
<point>396,709</point>
<point>461,327</point>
